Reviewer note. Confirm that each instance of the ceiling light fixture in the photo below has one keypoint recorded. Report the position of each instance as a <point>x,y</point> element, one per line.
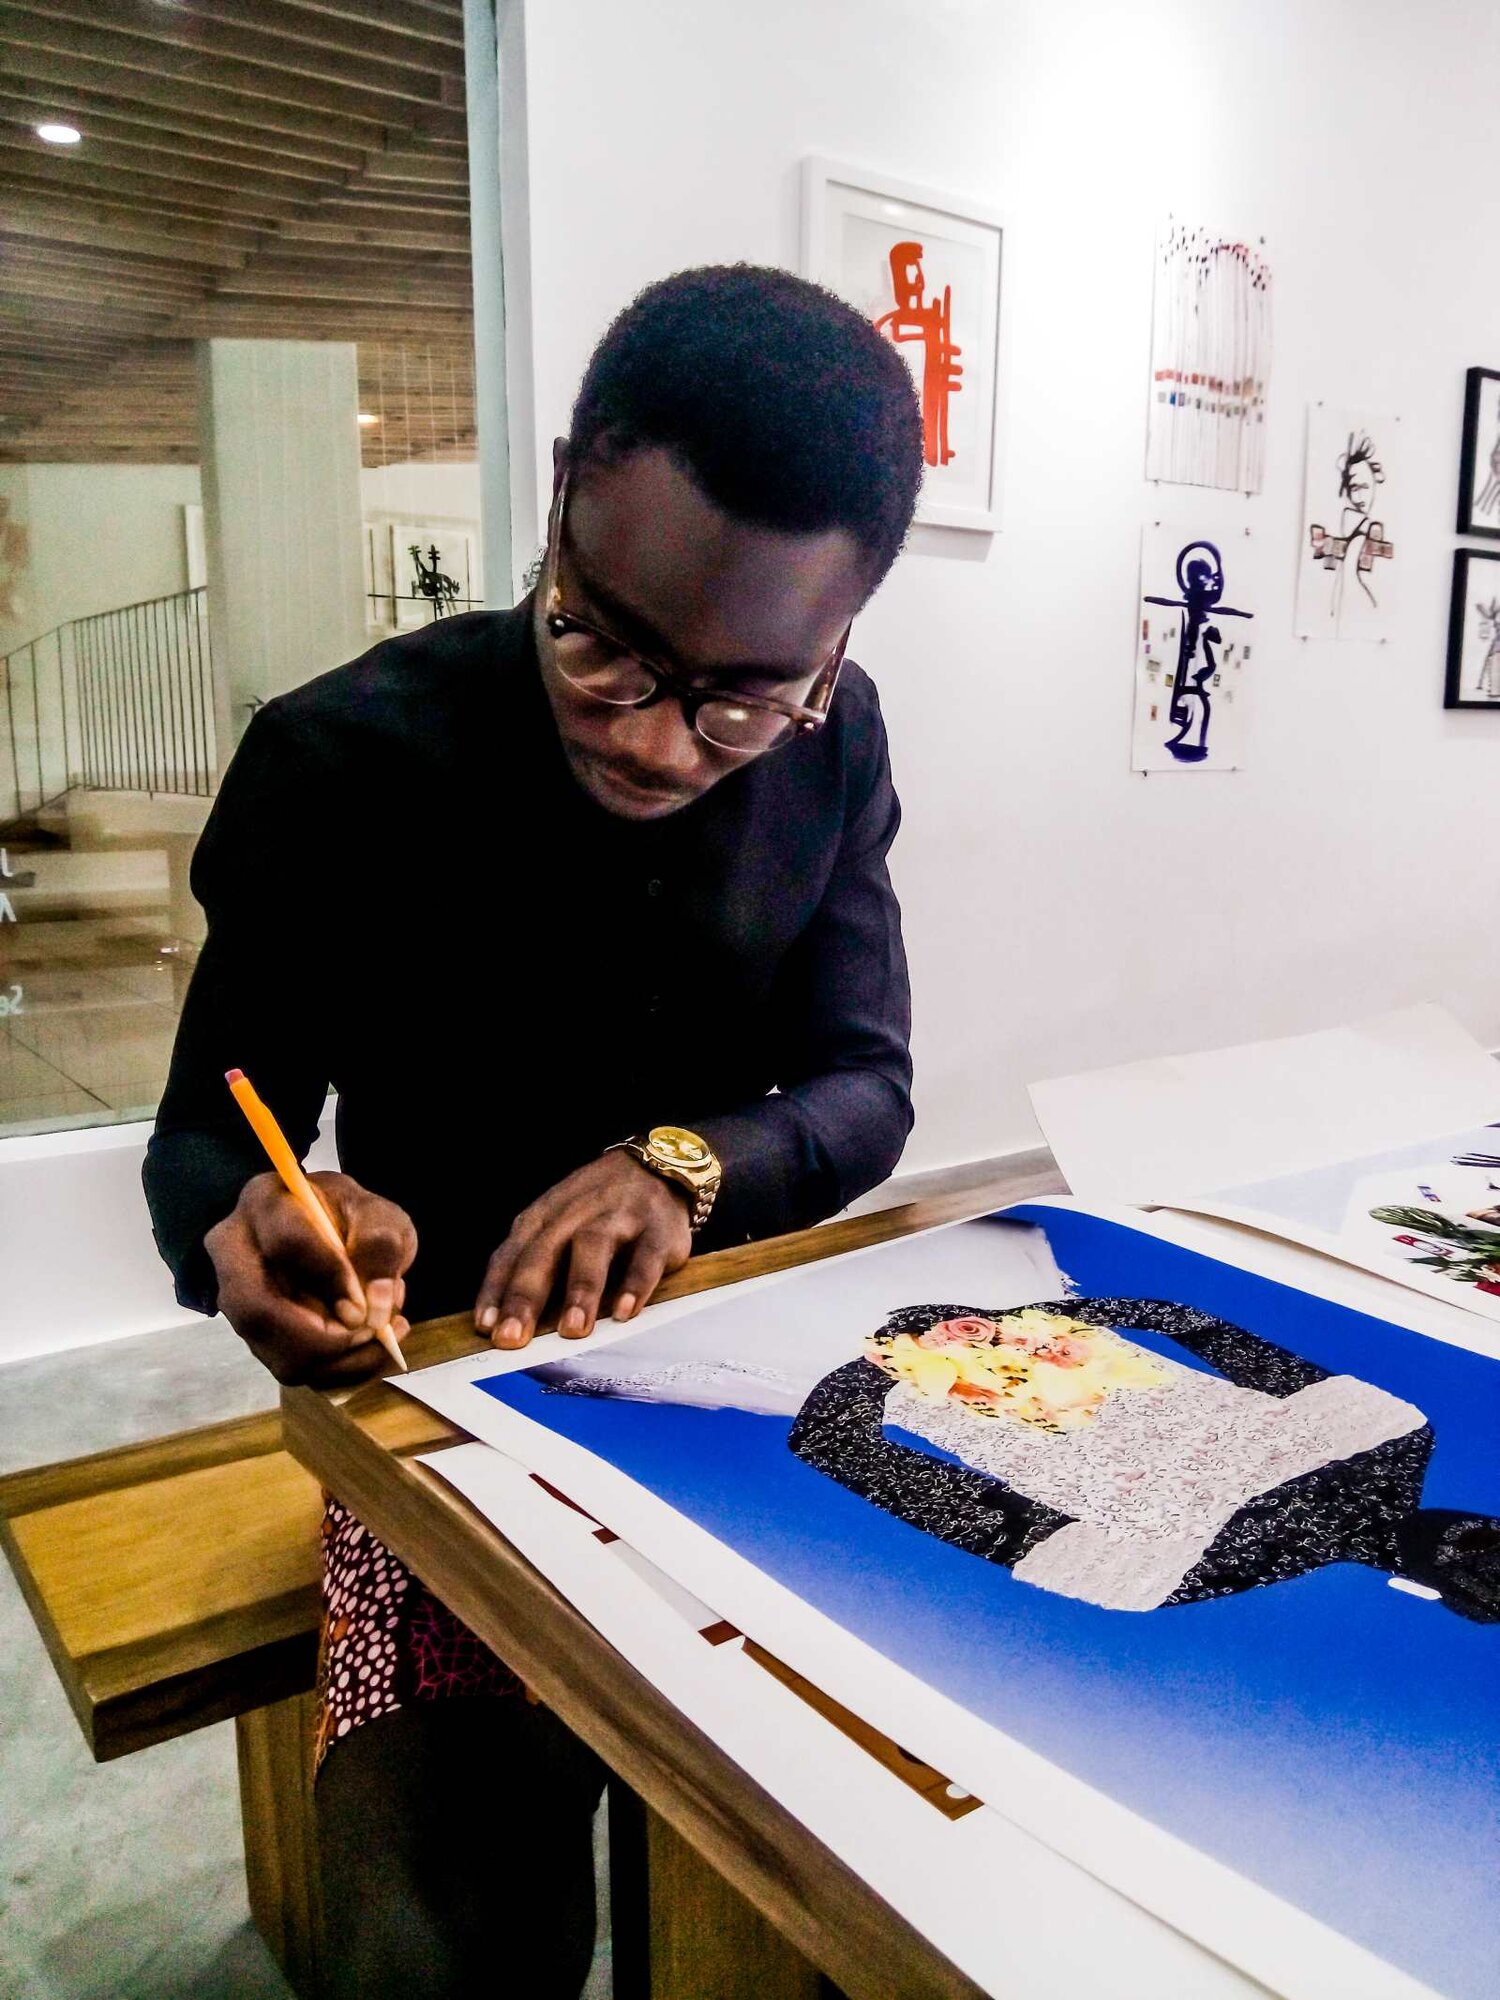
<point>59,135</point>
<point>365,417</point>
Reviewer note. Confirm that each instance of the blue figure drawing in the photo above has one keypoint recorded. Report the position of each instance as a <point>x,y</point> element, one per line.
<point>1200,579</point>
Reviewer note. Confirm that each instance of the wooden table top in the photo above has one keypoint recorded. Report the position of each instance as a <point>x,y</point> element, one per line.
<point>175,1583</point>
<point>362,1444</point>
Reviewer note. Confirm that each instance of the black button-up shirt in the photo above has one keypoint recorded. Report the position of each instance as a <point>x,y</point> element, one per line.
<point>410,898</point>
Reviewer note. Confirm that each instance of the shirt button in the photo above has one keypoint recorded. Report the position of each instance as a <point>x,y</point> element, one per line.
<point>653,887</point>
<point>653,1005</point>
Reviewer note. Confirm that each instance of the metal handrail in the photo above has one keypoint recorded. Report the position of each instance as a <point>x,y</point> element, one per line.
<point>119,701</point>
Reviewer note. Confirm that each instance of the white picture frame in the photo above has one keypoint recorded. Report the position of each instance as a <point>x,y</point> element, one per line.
<point>952,308</point>
<point>455,545</point>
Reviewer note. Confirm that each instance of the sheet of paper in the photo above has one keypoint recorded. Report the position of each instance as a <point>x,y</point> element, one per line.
<point>1017,1918</point>
<point>1176,1126</point>
<point>1327,1696</point>
<point>1371,1143</point>
<point>1427,1214</point>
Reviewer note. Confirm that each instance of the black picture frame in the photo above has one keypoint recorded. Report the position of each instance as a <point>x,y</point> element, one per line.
<point>1453,696</point>
<point>1469,458</point>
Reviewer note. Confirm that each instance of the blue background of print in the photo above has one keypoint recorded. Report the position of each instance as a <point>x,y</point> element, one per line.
<point>1332,1738</point>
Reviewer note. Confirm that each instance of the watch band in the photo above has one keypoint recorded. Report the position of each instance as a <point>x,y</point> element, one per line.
<point>703,1204</point>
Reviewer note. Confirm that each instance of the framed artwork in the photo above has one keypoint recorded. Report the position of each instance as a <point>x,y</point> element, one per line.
<point>434,571</point>
<point>1349,555</point>
<point>1474,632</point>
<point>926,268</point>
<point>1479,474</point>
<point>1195,635</point>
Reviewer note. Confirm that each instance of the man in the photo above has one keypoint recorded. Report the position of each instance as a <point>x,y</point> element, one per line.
<point>523,887</point>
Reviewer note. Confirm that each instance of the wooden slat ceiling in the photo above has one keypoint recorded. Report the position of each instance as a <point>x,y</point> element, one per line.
<point>257,169</point>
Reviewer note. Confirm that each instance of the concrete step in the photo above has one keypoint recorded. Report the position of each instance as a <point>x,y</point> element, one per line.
<point>125,882</point>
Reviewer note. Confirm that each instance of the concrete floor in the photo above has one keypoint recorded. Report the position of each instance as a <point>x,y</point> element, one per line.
<point>123,1881</point>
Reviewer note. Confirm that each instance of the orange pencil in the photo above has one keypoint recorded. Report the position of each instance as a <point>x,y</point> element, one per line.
<point>298,1186</point>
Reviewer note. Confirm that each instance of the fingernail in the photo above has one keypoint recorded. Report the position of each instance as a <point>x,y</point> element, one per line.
<point>378,1302</point>
<point>488,1317</point>
<point>349,1313</point>
<point>573,1320</point>
<point>510,1334</point>
<point>624,1305</point>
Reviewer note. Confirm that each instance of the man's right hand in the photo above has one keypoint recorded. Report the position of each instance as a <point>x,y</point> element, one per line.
<point>292,1299</point>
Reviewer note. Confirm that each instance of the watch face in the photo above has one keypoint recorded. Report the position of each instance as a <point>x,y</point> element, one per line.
<point>676,1147</point>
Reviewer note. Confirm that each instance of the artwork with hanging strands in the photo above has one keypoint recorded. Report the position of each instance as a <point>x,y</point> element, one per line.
<point>1210,361</point>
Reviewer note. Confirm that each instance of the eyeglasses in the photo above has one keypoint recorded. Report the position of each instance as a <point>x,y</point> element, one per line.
<point>597,664</point>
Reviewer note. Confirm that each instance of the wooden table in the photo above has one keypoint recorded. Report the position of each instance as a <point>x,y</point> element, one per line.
<point>745,1901</point>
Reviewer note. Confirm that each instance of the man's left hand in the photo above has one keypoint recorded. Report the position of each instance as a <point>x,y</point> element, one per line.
<point>610,1213</point>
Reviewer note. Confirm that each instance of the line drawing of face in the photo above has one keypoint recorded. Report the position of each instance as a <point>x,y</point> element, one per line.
<point>1360,472</point>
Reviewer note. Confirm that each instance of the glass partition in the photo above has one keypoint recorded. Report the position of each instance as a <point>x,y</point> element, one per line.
<point>237,446</point>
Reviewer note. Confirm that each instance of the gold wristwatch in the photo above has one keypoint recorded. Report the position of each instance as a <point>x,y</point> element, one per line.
<point>684,1159</point>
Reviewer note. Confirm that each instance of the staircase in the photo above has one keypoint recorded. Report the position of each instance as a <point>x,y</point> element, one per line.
<point>107,766</point>
<point>122,701</point>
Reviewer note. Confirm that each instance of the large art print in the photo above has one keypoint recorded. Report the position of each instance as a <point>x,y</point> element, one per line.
<point>1427,1213</point>
<point>1113,1532</point>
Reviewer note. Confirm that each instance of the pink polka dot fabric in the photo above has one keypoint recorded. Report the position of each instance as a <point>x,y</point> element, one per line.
<point>386,1639</point>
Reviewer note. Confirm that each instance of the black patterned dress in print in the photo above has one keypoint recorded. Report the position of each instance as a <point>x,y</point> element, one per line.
<point>1185,1485</point>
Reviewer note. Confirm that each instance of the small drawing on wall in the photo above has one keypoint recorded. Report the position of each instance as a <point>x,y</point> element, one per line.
<point>1474,632</point>
<point>1347,563</point>
<point>1210,361</point>
<point>1479,471</point>
<point>925,268</point>
<point>1194,641</point>
<point>434,571</point>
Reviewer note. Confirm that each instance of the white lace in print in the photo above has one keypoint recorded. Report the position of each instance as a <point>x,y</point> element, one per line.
<point>1152,1480</point>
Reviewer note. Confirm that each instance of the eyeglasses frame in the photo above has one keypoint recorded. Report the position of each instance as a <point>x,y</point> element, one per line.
<point>808,717</point>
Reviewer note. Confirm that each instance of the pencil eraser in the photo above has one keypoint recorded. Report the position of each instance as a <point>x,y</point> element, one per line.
<point>234,1076</point>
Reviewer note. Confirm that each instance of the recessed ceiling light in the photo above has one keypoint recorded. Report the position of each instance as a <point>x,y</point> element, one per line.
<point>59,135</point>
<point>366,418</point>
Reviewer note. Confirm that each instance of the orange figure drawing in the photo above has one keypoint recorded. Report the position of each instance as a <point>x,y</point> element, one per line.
<point>914,317</point>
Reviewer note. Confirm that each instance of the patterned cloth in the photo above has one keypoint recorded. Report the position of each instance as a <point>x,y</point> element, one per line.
<point>386,1639</point>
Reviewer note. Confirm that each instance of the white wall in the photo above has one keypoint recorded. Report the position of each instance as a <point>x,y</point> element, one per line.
<point>77,1260</point>
<point>412,491</point>
<point>1061,912</point>
<point>100,536</point>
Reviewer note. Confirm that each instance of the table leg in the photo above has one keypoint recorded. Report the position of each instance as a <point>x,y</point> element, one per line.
<point>275,1746</point>
<point>680,1932</point>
